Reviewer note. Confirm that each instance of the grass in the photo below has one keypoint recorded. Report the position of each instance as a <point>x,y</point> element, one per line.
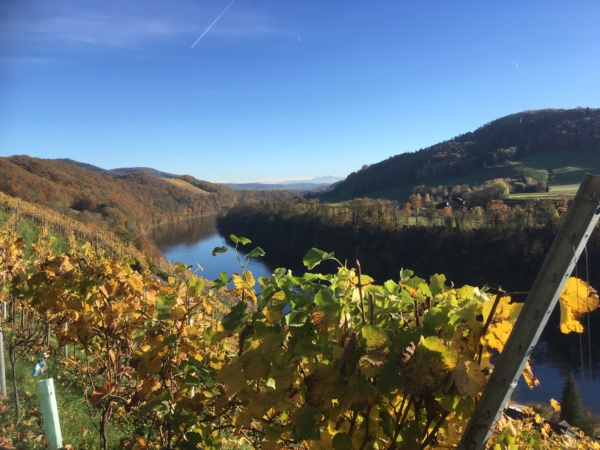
<point>30,233</point>
<point>185,185</point>
<point>75,423</point>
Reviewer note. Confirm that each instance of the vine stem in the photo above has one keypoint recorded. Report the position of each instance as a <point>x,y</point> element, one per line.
<point>435,430</point>
<point>360,293</point>
<point>489,321</point>
<point>366,440</point>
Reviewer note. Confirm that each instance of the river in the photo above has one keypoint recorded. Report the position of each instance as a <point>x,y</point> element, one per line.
<point>556,355</point>
<point>192,242</point>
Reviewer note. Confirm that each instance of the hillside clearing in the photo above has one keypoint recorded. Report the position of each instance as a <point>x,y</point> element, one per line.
<point>185,185</point>
<point>563,171</point>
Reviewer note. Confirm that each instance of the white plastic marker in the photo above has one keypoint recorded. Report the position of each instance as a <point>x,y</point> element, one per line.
<point>41,365</point>
<point>50,414</point>
<point>210,26</point>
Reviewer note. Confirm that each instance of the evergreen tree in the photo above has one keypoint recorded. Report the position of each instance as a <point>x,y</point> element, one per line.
<point>571,409</point>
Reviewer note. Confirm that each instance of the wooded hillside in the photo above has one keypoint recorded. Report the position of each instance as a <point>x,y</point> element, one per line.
<point>501,141</point>
<point>126,204</point>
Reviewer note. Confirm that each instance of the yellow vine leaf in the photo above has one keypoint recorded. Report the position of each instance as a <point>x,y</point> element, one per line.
<point>577,298</point>
<point>469,378</point>
<point>555,405</point>
<point>531,380</point>
<point>244,283</point>
<point>99,394</point>
<point>502,323</point>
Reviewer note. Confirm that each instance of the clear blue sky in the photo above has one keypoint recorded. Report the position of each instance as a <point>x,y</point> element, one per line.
<point>280,89</point>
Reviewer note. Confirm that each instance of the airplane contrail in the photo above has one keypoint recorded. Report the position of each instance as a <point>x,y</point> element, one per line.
<point>210,26</point>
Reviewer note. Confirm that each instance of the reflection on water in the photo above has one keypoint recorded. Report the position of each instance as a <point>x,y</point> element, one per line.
<point>192,242</point>
<point>556,355</point>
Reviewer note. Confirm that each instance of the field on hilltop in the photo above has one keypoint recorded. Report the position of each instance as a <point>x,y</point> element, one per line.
<point>563,171</point>
<point>556,147</point>
<point>185,185</point>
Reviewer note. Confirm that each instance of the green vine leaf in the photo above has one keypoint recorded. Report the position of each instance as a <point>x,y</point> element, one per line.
<point>314,257</point>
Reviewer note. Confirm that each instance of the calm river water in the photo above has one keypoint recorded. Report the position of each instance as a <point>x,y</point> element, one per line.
<point>193,241</point>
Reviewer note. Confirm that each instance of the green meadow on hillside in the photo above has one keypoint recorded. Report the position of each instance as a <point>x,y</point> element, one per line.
<point>563,171</point>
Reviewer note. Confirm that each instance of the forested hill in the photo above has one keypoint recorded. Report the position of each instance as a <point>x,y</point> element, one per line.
<point>125,204</point>
<point>506,139</point>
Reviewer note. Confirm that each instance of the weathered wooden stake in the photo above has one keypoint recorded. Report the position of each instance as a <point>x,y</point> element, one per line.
<point>558,266</point>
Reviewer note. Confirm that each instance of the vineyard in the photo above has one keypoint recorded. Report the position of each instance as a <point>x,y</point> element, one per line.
<point>67,227</point>
<point>312,361</point>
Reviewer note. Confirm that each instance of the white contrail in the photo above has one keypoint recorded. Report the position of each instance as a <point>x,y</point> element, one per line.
<point>515,63</point>
<point>210,26</point>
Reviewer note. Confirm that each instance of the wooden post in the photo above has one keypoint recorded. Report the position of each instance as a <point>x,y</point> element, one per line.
<point>558,266</point>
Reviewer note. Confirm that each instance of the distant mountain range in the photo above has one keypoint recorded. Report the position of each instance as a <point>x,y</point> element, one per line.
<point>551,138</point>
<point>290,185</point>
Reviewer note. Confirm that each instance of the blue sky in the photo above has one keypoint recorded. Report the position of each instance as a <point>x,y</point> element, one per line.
<point>281,89</point>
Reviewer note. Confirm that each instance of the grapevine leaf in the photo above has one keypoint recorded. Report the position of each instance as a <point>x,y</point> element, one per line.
<point>218,250</point>
<point>437,321</point>
<point>374,337</point>
<point>296,318</point>
<point>392,287</point>
<point>101,393</point>
<point>314,257</point>
<point>502,322</point>
<point>531,380</point>
<point>468,378</point>
<point>156,399</point>
<point>136,282</point>
<point>219,283</point>
<point>405,275</point>
<point>306,348</point>
<point>576,299</point>
<point>182,417</point>
<point>358,390</point>
<point>256,364</point>
<point>232,377</point>
<point>236,317</point>
<point>555,405</point>
<point>164,311</point>
<point>304,425</point>
<point>237,240</point>
<point>196,286</point>
<point>323,385</point>
<point>259,404</point>
<point>342,441</point>
<point>429,366</point>
<point>436,284</point>
<point>256,253</point>
<point>389,378</point>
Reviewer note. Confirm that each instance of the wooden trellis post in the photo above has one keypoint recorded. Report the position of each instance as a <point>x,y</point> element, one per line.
<point>557,268</point>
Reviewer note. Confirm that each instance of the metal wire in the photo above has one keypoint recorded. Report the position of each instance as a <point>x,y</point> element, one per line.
<point>589,328</point>
<point>579,309</point>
